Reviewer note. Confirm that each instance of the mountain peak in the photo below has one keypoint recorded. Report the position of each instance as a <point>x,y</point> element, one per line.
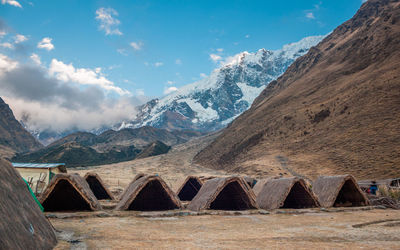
<point>212,102</point>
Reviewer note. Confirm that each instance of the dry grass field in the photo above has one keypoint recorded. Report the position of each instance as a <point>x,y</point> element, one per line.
<point>335,230</point>
<point>311,228</point>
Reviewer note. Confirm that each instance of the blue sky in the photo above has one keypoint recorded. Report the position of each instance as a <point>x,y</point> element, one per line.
<point>148,46</point>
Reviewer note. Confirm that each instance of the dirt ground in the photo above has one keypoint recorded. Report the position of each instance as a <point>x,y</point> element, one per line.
<point>313,229</point>
<point>349,230</point>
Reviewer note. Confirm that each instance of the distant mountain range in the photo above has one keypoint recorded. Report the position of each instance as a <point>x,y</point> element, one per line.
<point>216,100</point>
<point>335,110</point>
<point>83,149</point>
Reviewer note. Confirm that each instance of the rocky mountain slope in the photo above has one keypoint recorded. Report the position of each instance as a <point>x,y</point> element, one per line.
<point>214,101</point>
<point>13,137</point>
<point>82,148</point>
<point>335,110</point>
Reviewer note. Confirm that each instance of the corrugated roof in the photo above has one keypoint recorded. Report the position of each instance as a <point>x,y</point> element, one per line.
<point>37,165</point>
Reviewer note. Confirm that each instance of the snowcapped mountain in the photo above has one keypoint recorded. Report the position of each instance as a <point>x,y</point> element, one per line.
<point>214,101</point>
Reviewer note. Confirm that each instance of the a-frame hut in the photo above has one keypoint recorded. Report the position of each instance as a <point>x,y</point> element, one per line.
<point>259,185</point>
<point>149,193</point>
<point>189,188</point>
<point>22,224</point>
<point>290,192</point>
<point>229,193</point>
<point>69,192</point>
<point>98,187</point>
<point>339,191</point>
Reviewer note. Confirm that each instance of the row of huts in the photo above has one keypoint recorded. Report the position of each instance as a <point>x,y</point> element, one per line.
<point>71,192</point>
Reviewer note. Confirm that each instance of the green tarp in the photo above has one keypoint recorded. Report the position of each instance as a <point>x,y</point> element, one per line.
<point>33,195</point>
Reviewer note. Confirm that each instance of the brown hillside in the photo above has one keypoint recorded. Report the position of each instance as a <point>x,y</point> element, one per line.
<point>335,110</point>
<point>13,137</point>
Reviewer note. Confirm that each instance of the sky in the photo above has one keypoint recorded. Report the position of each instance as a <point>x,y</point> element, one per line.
<point>92,60</point>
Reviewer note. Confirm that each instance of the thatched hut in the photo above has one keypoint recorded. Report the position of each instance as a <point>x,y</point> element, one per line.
<point>69,192</point>
<point>259,185</point>
<point>339,191</point>
<point>22,224</point>
<point>98,187</point>
<point>229,193</point>
<point>149,193</point>
<point>189,188</point>
<point>291,192</point>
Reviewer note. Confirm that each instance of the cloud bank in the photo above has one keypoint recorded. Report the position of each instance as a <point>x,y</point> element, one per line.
<point>62,97</point>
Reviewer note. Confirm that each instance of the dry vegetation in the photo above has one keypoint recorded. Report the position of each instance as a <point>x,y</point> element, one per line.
<point>350,230</point>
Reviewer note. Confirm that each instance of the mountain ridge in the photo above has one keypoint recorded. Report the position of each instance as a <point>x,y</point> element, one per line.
<point>13,137</point>
<point>335,110</point>
<point>214,101</point>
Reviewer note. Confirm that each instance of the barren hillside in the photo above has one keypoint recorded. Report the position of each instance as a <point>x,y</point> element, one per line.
<point>335,110</point>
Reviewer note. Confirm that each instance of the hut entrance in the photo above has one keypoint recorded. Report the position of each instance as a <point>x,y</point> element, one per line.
<point>189,190</point>
<point>97,188</point>
<point>349,196</point>
<point>232,197</point>
<point>152,197</point>
<point>299,197</point>
<point>65,197</point>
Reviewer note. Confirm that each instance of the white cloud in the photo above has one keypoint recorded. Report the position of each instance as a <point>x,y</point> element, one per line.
<point>220,50</point>
<point>7,45</point>
<point>20,38</point>
<point>170,82</point>
<point>68,73</point>
<point>158,64</point>
<point>12,2</point>
<point>310,15</point>
<point>39,115</point>
<point>139,92</point>
<point>247,36</point>
<point>2,33</point>
<point>178,61</point>
<point>215,57</point>
<point>136,45</point>
<point>7,64</point>
<point>202,75</point>
<point>46,44</point>
<point>169,90</point>
<point>35,58</point>
<point>108,22</point>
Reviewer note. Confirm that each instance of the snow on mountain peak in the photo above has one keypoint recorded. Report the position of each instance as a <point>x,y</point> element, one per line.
<point>229,90</point>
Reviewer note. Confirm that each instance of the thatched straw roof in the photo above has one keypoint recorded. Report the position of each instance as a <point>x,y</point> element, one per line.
<point>69,192</point>
<point>339,191</point>
<point>98,187</point>
<point>206,178</point>
<point>230,193</point>
<point>290,192</point>
<point>138,176</point>
<point>189,188</point>
<point>149,193</point>
<point>22,224</point>
<point>259,185</point>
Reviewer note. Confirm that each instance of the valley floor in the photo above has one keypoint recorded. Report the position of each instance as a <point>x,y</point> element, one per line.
<point>348,228</point>
<point>340,230</point>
